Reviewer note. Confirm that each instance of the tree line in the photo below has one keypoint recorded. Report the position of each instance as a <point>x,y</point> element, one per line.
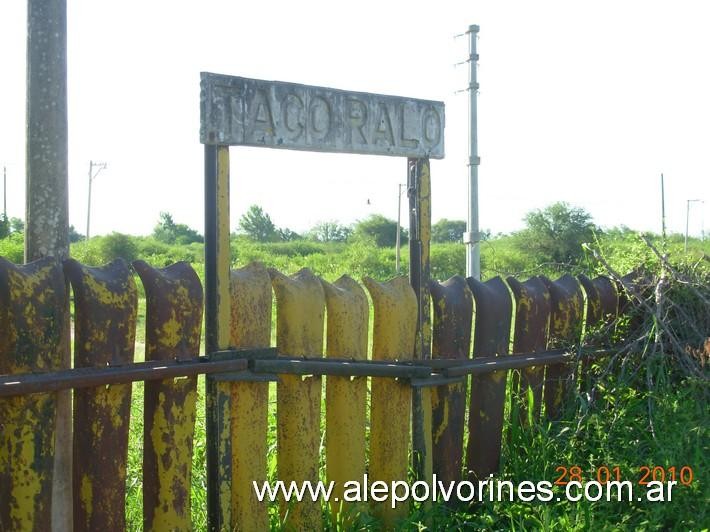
<point>553,234</point>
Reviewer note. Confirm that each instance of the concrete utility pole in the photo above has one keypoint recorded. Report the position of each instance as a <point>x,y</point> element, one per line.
<point>472,236</point>
<point>92,176</point>
<point>47,205</point>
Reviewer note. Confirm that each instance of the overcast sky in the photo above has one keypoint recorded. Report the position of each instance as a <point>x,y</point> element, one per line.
<point>585,102</point>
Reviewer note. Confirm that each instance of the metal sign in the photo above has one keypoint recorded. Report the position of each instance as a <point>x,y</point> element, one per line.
<point>250,112</point>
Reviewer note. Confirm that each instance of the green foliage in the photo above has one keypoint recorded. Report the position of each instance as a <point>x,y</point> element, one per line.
<point>381,229</point>
<point>103,249</point>
<point>329,232</point>
<point>257,225</point>
<point>556,233</point>
<point>17,225</point>
<point>448,230</point>
<point>628,425</point>
<point>160,254</point>
<point>503,256</point>
<point>88,252</point>
<point>365,259</point>
<point>329,260</point>
<point>4,226</point>
<point>9,226</point>
<point>74,235</point>
<point>447,260</point>
<point>168,232</point>
<point>118,245</point>
<point>286,235</point>
<point>612,432</point>
<point>12,248</point>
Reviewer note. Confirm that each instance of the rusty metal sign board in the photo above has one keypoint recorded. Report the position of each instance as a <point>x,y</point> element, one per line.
<point>250,112</point>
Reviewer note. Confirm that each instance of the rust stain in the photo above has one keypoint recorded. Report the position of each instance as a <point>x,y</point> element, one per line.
<point>608,297</point>
<point>105,302</point>
<point>394,333</point>
<point>250,326</point>
<point>494,312</point>
<point>532,315</point>
<point>32,306</point>
<point>174,302</point>
<point>594,304</point>
<point>453,314</point>
<point>346,414</point>
<point>566,318</point>
<point>300,314</point>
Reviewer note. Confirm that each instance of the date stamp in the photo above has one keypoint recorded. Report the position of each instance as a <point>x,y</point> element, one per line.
<point>643,475</point>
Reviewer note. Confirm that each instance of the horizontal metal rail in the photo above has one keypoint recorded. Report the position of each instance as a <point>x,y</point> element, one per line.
<point>342,368</point>
<point>26,383</point>
<point>489,365</point>
<point>436,379</point>
<point>443,363</point>
<point>264,365</point>
<point>525,360</point>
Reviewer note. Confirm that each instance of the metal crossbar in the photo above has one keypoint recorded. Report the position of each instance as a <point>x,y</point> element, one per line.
<point>263,365</point>
<point>27,383</point>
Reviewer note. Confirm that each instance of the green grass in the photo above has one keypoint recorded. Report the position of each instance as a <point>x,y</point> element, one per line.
<point>615,432</point>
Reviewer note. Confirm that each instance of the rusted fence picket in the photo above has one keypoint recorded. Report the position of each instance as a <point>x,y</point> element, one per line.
<point>32,306</point>
<point>602,303</point>
<point>594,304</point>
<point>300,305</point>
<point>393,337</point>
<point>602,299</point>
<point>532,317</point>
<point>105,309</point>
<point>346,400</point>
<point>565,330</point>
<point>250,327</point>
<point>631,286</point>
<point>453,312</point>
<point>174,301</point>
<point>492,321</point>
<point>608,296</point>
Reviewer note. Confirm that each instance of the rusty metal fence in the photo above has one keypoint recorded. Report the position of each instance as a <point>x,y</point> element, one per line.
<point>432,396</point>
<point>475,326</point>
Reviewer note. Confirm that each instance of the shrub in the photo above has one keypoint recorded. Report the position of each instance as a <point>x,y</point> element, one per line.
<point>13,248</point>
<point>118,245</point>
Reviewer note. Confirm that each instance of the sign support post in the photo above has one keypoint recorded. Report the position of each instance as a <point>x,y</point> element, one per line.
<point>217,316</point>
<point>419,185</point>
<point>238,111</point>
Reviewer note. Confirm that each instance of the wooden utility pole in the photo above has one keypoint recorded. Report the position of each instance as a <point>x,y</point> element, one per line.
<point>47,208</point>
